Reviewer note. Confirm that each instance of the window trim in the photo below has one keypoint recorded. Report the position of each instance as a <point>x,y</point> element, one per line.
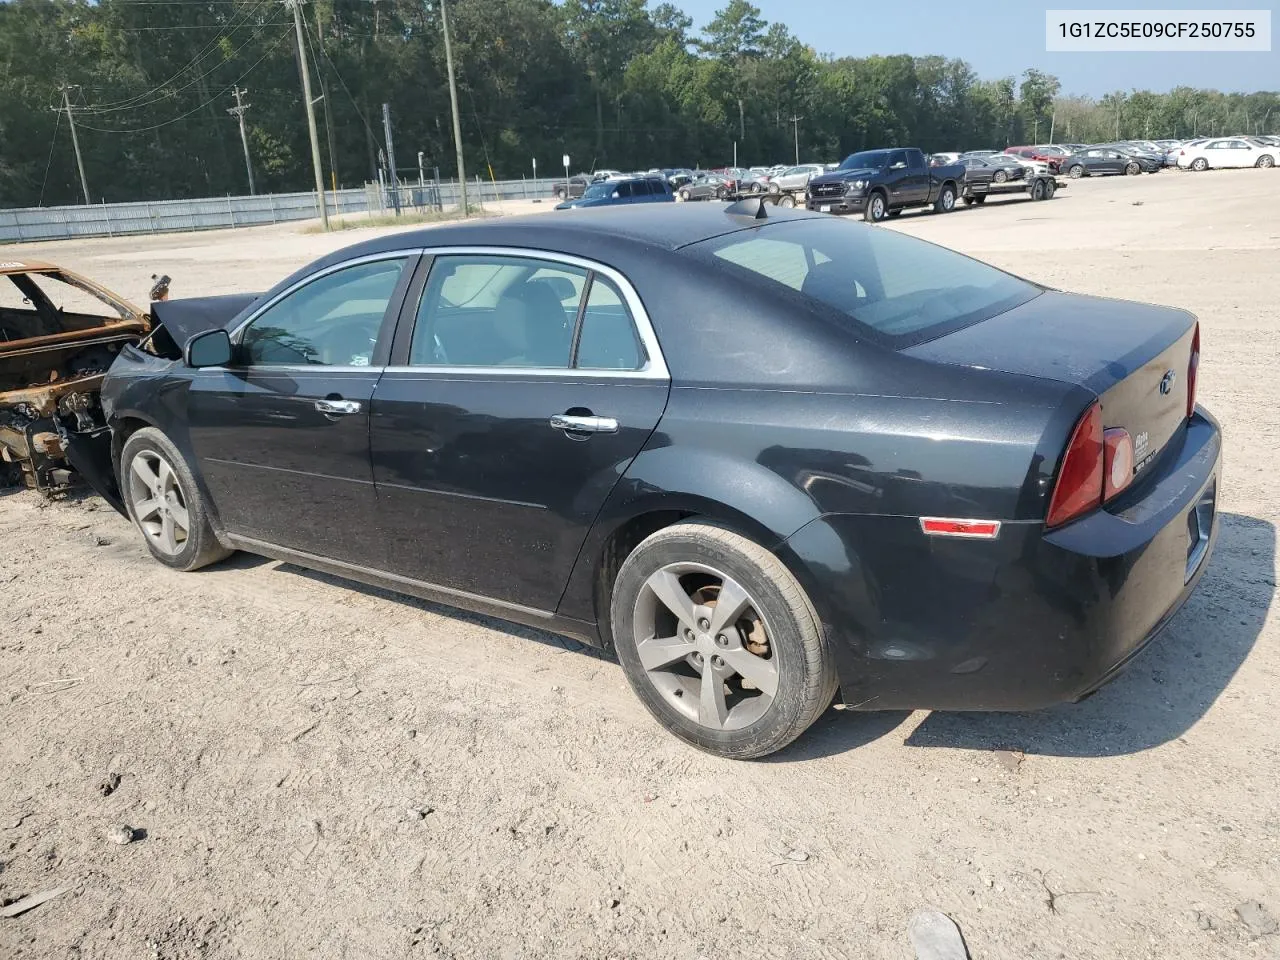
<point>389,316</point>
<point>655,366</point>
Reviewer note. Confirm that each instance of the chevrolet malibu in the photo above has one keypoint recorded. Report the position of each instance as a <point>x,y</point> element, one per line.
<point>767,458</point>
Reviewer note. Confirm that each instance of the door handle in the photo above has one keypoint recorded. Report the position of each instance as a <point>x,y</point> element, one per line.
<point>338,408</point>
<point>579,424</point>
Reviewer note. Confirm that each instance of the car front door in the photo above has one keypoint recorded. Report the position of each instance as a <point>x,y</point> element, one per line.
<point>281,435</point>
<point>899,181</point>
<point>522,386</point>
<point>1241,155</point>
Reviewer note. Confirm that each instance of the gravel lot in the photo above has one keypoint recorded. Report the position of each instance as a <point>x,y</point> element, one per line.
<point>321,769</point>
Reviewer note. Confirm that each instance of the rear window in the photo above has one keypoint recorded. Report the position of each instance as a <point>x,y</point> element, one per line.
<point>880,283</point>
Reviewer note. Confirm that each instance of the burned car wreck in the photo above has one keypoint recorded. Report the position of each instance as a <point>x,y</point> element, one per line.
<point>59,332</point>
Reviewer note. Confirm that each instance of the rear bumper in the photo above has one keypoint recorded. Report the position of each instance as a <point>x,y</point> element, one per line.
<point>1030,619</point>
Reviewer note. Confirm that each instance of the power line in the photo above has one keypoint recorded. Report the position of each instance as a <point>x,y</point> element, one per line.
<point>49,163</point>
<point>204,51</point>
<point>220,93</point>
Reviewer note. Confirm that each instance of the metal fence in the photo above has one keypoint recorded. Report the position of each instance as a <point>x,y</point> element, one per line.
<point>26,224</point>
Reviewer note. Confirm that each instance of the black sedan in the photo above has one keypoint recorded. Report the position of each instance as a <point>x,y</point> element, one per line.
<point>1104,161</point>
<point>999,168</point>
<point>763,456</point>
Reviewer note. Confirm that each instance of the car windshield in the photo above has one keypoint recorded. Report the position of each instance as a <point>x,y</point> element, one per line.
<point>895,288</point>
<point>871,159</point>
<point>598,190</point>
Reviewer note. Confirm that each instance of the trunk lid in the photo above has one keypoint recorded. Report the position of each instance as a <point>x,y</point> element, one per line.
<point>1133,356</point>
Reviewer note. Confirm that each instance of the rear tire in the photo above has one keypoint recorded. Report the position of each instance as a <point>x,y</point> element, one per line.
<point>1050,188</point>
<point>773,635</point>
<point>787,200</point>
<point>684,195</point>
<point>165,503</point>
<point>1266,160</point>
<point>1038,191</point>
<point>559,194</point>
<point>946,201</point>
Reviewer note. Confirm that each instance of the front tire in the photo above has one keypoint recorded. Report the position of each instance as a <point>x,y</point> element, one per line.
<point>1266,160</point>
<point>1076,171</point>
<point>787,200</point>
<point>165,503</point>
<point>1132,169</point>
<point>877,208</point>
<point>999,177</point>
<point>684,195</point>
<point>719,641</point>
<point>1199,164</point>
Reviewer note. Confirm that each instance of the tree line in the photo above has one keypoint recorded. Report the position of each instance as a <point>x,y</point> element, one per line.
<point>613,83</point>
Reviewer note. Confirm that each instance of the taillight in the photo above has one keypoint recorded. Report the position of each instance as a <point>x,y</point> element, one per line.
<point>1193,365</point>
<point>1117,461</point>
<point>1079,486</point>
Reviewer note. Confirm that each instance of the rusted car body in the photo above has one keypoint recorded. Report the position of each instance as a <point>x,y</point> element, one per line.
<point>59,332</point>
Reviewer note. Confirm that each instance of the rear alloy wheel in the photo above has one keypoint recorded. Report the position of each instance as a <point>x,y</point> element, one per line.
<point>720,193</point>
<point>1199,164</point>
<point>787,200</point>
<point>1132,168</point>
<point>877,208</point>
<point>165,503</point>
<point>719,642</point>
<point>1266,160</point>
<point>946,201</point>
<point>774,188</point>
<point>1076,171</point>
<point>999,177</point>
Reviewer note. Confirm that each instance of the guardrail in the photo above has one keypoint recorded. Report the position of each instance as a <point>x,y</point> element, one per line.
<point>27,224</point>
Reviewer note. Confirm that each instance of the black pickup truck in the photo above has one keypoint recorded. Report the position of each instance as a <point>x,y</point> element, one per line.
<point>883,183</point>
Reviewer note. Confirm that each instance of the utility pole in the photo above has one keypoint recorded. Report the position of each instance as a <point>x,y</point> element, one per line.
<point>742,129</point>
<point>311,113</point>
<point>75,141</point>
<point>238,112</point>
<point>391,158</point>
<point>453,102</point>
<point>795,127</point>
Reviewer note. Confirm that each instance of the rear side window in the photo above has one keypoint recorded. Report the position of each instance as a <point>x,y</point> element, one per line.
<point>895,288</point>
<point>608,339</point>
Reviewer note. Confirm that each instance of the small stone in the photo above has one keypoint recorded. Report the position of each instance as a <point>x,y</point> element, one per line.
<point>109,784</point>
<point>614,903</point>
<point>122,834</point>
<point>1142,856</point>
<point>976,779</point>
<point>411,733</point>
<point>1257,919</point>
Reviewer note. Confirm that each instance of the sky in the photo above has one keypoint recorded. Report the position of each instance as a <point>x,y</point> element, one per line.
<point>997,45</point>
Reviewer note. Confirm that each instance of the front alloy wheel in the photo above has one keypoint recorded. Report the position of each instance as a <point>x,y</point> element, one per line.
<point>158,504</point>
<point>877,209</point>
<point>1076,171</point>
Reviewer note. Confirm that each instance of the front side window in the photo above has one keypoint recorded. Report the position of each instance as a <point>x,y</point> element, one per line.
<point>331,321</point>
<point>884,284</point>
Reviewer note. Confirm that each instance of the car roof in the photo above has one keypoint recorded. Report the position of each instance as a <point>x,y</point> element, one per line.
<point>25,266</point>
<point>666,226</point>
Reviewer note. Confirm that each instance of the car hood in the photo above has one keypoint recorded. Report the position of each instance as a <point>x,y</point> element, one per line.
<point>187,317</point>
<point>841,176</point>
<point>584,202</point>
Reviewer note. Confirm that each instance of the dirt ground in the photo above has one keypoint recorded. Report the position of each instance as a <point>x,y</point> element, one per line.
<point>326,770</point>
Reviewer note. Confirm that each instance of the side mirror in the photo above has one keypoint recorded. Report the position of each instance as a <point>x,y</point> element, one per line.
<point>212,348</point>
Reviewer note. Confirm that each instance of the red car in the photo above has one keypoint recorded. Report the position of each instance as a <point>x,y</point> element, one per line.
<point>1045,154</point>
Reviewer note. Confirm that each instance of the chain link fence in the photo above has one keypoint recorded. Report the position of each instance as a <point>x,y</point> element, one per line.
<point>27,224</point>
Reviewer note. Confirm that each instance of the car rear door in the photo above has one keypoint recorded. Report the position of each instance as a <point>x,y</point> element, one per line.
<point>523,384</point>
<point>281,435</point>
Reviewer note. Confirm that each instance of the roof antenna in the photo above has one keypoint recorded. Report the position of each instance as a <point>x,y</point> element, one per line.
<point>753,207</point>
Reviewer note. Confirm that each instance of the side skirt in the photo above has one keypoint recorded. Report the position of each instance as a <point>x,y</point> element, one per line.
<point>528,616</point>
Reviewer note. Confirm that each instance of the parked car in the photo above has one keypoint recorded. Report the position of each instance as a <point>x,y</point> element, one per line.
<point>59,332</point>
<point>398,413</point>
<point>1151,161</point>
<point>599,175</point>
<point>1101,161</point>
<point>883,183</point>
<point>942,159</point>
<point>795,178</point>
<point>679,177</point>
<point>574,187</point>
<point>705,186</point>
<point>993,169</point>
<point>1047,154</point>
<point>624,190</point>
<point>1227,152</point>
